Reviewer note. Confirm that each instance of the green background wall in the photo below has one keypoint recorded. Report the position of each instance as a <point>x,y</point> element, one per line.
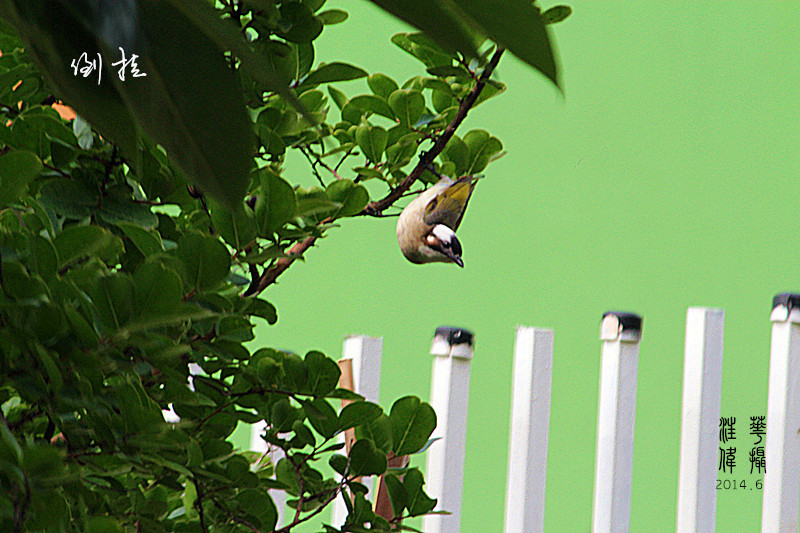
<point>666,177</point>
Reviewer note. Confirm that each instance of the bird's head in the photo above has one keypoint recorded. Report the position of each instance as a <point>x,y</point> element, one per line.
<point>442,245</point>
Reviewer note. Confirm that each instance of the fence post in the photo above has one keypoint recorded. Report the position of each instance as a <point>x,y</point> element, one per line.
<point>452,349</point>
<point>781,490</point>
<point>620,333</point>
<point>702,386</point>
<point>365,354</point>
<point>530,421</point>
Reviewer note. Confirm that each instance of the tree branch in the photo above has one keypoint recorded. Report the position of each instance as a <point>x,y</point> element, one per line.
<point>376,208</point>
<point>270,274</point>
<point>426,159</point>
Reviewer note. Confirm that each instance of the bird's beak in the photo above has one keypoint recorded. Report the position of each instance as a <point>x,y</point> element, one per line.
<point>455,258</point>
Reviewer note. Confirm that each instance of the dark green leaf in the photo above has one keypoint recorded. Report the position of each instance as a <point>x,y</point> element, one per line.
<point>397,493</point>
<point>148,242</point>
<point>191,103</point>
<point>43,256</point>
<point>444,71</point>
<point>358,413</point>
<point>206,260</point>
<point>337,96</point>
<point>157,289</point>
<point>276,204</point>
<point>412,424</point>
<point>77,242</point>
<point>338,463</point>
<point>17,170</point>
<point>556,14</point>
<point>419,503</point>
<point>113,299</point>
<point>366,459</point>
<point>334,72</point>
<point>378,431</point>
<point>323,373</point>
<point>301,26</point>
<point>258,503</point>
<point>332,16</point>
<point>237,227</point>
<point>322,417</point>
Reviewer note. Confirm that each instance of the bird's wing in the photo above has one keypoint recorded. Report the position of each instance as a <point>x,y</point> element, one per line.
<point>449,205</point>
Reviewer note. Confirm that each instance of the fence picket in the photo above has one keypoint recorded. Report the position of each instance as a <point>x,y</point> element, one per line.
<point>620,333</point>
<point>782,478</point>
<point>530,422</point>
<point>702,386</point>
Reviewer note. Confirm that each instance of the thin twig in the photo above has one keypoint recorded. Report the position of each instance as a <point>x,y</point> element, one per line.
<point>426,159</point>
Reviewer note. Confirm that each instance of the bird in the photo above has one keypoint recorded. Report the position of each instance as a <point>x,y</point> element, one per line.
<point>426,229</point>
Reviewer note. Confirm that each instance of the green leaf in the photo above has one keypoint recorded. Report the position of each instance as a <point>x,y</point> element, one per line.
<point>117,211</point>
<point>258,503</point>
<point>296,371</point>
<point>103,524</point>
<point>113,299</point>
<point>412,424</point>
<point>419,503</point>
<point>366,459</point>
<point>17,169</point>
<point>378,431</point>
<point>157,289</point>
<point>408,105</point>
<point>206,260</point>
<point>515,24</point>
<point>83,132</point>
<point>77,242</point>
<point>276,204</point>
<point>323,373</point>
<point>43,258</point>
<point>481,147</point>
<point>191,111</point>
<point>237,227</point>
<point>68,198</point>
<point>352,197</point>
<point>262,309</point>
<point>55,38</point>
<point>332,16</point>
<point>444,71</point>
<point>283,415</point>
<point>357,413</point>
<point>345,394</point>
<point>301,26</point>
<point>322,417</point>
<point>382,85</point>
<point>372,141</point>
<point>556,14</point>
<point>375,104</point>
<point>336,71</point>
<point>338,97</point>
<point>148,242</point>
<point>367,173</point>
<point>339,463</point>
<point>457,152</point>
<point>397,493</point>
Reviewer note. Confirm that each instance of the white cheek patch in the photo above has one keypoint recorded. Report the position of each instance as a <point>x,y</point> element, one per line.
<point>443,233</point>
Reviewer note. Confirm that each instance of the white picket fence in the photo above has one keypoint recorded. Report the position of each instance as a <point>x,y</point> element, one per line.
<point>620,334</point>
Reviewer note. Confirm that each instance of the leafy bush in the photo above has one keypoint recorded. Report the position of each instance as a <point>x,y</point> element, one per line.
<point>137,237</point>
